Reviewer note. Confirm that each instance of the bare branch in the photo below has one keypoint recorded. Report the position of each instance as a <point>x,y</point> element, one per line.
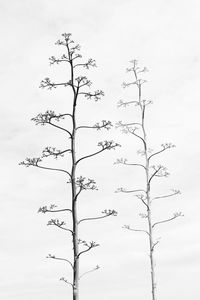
<point>105,124</point>
<point>51,151</point>
<point>45,209</point>
<point>53,60</point>
<point>154,244</point>
<point>59,224</point>
<point>175,192</point>
<point>94,269</point>
<point>45,118</point>
<point>139,137</point>
<point>106,145</point>
<point>124,162</point>
<point>34,162</point>
<point>138,82</point>
<point>90,63</point>
<point>159,171</point>
<point>90,184</point>
<point>106,213</point>
<point>88,245</point>
<point>143,198</point>
<point>123,190</point>
<point>65,280</point>
<point>47,83</point>
<point>164,147</point>
<point>59,127</point>
<point>59,258</point>
<point>132,229</point>
<point>120,124</point>
<point>83,81</point>
<point>122,103</point>
<point>176,215</point>
<point>96,95</point>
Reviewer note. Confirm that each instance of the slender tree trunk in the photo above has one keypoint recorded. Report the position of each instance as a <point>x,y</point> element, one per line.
<point>74,211</point>
<point>74,194</point>
<point>148,198</point>
<point>151,246</point>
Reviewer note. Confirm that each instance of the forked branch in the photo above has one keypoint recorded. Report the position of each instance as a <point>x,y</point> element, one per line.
<point>59,224</point>
<point>89,246</point>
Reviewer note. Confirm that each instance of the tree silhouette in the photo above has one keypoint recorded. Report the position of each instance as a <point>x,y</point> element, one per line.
<point>80,87</point>
<point>138,129</point>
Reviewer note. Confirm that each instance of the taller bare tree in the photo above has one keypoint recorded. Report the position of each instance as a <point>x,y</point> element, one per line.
<point>80,87</point>
<point>138,130</point>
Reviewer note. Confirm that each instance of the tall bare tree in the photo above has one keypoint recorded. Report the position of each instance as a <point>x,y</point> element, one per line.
<point>80,87</point>
<point>138,130</point>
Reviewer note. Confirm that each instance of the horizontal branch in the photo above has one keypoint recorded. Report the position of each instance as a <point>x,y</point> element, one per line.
<point>122,190</point>
<point>54,60</point>
<point>176,192</point>
<point>44,209</point>
<point>126,103</point>
<point>132,229</point>
<point>90,63</point>
<point>51,151</point>
<point>124,162</point>
<point>120,124</point>
<point>47,83</point>
<point>96,95</point>
<point>105,124</point>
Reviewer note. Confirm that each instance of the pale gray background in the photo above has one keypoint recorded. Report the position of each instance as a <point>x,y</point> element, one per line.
<point>163,36</point>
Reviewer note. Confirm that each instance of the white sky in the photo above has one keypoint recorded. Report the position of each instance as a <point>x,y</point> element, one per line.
<point>163,36</point>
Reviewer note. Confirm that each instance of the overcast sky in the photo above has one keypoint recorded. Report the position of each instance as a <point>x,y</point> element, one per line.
<point>164,36</point>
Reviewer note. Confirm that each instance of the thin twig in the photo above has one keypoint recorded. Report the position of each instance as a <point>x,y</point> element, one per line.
<point>132,229</point>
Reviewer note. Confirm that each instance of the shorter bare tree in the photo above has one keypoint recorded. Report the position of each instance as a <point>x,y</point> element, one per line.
<point>138,130</point>
<point>80,88</point>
